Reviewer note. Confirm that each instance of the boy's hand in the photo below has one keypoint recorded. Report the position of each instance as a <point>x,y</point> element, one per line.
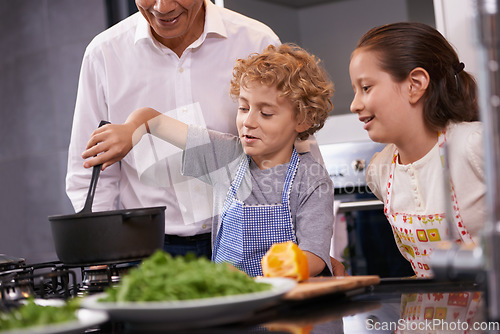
<point>109,144</point>
<point>338,268</point>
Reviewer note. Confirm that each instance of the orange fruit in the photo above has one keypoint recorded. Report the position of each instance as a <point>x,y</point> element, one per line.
<point>285,259</point>
<point>290,328</point>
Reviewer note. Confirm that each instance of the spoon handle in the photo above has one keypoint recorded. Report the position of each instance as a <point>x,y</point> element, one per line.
<point>93,182</point>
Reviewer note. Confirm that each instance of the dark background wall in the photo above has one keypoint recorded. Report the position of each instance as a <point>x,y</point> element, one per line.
<point>42,44</point>
<point>331,29</point>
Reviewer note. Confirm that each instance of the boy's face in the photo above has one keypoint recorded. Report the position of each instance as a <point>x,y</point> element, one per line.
<point>267,126</point>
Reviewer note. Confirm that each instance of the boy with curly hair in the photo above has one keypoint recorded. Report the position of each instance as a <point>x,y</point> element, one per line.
<point>264,191</point>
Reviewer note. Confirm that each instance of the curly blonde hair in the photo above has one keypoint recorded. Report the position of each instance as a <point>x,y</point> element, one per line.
<point>296,74</point>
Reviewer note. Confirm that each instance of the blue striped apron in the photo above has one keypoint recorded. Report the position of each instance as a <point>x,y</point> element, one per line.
<point>248,231</point>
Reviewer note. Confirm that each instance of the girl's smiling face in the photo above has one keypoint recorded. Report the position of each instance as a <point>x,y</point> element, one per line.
<point>381,103</point>
<point>267,125</point>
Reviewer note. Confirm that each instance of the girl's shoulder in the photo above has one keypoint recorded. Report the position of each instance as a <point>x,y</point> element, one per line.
<point>465,134</point>
<point>462,130</point>
<point>378,170</point>
<point>384,156</point>
<point>465,143</point>
<point>380,163</point>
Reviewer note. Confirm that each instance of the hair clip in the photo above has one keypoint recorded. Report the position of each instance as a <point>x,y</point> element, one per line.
<point>459,68</point>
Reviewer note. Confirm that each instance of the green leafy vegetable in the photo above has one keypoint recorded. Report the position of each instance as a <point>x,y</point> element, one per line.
<point>162,277</point>
<point>32,314</point>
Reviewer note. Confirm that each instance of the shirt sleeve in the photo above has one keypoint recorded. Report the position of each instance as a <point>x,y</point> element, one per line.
<point>377,172</point>
<point>373,179</point>
<point>90,109</point>
<point>315,219</point>
<point>209,153</point>
<point>475,151</point>
<point>466,160</point>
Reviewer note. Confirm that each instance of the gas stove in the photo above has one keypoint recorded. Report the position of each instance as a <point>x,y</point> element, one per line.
<point>54,280</point>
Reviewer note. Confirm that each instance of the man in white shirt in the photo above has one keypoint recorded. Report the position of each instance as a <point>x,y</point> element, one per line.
<point>175,56</point>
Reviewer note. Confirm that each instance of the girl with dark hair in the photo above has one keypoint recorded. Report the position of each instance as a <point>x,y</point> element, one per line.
<point>412,92</point>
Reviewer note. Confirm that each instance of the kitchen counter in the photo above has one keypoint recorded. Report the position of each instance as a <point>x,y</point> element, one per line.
<point>394,305</point>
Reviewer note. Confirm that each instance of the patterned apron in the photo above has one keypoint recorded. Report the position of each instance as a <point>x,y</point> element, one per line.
<point>439,312</point>
<point>415,234</point>
<point>248,231</point>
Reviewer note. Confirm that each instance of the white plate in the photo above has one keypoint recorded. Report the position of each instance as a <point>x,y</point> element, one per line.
<point>86,319</point>
<point>193,312</point>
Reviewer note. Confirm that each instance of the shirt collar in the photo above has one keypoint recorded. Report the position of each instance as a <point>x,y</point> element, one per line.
<point>213,20</point>
<point>213,25</point>
<point>142,31</point>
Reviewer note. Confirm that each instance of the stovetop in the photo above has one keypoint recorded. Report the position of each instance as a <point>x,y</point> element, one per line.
<point>54,279</point>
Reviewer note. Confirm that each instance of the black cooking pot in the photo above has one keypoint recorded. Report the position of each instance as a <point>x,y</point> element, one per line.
<point>109,236</point>
<point>87,237</point>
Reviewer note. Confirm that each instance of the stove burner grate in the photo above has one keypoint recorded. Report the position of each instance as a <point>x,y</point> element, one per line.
<point>10,263</point>
<point>56,280</point>
<point>59,283</point>
<point>98,278</point>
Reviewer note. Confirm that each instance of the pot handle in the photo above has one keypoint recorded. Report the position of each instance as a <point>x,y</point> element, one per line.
<point>127,215</point>
<point>134,213</point>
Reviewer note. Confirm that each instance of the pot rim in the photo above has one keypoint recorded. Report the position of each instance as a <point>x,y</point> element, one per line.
<point>124,212</point>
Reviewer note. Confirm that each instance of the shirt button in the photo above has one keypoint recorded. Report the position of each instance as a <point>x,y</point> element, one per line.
<point>204,226</point>
<point>181,70</point>
<point>184,110</point>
